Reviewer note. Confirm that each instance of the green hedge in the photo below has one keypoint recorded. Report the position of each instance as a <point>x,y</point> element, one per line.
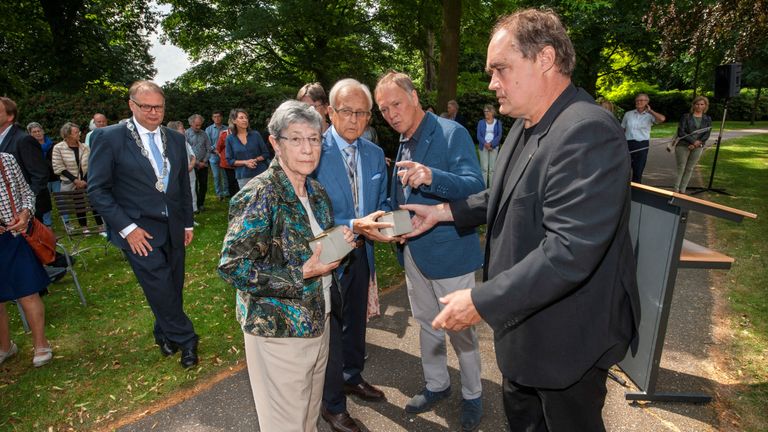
<point>52,109</point>
<point>674,103</point>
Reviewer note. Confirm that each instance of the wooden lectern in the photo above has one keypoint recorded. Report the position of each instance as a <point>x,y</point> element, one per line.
<point>657,227</point>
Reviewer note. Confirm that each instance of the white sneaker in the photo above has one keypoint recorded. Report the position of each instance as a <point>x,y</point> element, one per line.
<point>10,353</point>
<point>42,356</point>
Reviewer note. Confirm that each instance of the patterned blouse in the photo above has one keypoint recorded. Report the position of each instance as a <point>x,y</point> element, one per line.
<point>22,194</point>
<point>264,250</point>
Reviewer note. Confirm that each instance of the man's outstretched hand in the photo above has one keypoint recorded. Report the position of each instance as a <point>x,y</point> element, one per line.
<point>425,217</point>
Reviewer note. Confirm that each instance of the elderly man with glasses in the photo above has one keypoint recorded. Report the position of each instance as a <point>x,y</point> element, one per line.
<point>353,172</point>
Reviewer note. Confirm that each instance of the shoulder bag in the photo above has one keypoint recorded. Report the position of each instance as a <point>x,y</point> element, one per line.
<point>40,238</point>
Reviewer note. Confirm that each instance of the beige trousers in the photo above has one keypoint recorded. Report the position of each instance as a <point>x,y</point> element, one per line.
<point>287,376</point>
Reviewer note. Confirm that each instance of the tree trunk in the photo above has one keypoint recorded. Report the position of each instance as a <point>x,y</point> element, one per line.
<point>63,19</point>
<point>428,59</point>
<point>449,54</point>
<point>696,72</point>
<point>755,104</point>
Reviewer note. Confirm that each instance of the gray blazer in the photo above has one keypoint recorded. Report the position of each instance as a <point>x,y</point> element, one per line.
<point>560,291</point>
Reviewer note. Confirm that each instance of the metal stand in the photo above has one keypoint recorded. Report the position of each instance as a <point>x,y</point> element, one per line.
<point>709,187</point>
<point>668,397</point>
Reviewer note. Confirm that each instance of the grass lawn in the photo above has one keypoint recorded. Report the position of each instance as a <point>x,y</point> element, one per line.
<point>668,129</point>
<point>742,170</point>
<point>106,364</point>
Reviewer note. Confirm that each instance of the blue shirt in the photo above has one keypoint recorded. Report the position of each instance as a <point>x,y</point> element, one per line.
<point>253,148</point>
<point>213,133</point>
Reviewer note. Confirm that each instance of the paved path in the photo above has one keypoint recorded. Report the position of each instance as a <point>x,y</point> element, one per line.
<point>394,365</point>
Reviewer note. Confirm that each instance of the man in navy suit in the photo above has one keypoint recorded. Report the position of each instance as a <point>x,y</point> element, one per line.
<point>436,163</point>
<point>139,184</point>
<point>353,172</point>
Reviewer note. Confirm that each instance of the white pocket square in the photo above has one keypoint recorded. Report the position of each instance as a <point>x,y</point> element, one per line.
<point>376,176</point>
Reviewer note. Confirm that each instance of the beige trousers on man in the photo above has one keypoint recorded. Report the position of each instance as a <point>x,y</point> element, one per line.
<point>287,376</point>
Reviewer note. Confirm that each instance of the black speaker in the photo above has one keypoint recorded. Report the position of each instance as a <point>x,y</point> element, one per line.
<point>727,80</point>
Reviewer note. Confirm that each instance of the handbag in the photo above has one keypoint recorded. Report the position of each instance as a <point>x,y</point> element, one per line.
<point>39,237</point>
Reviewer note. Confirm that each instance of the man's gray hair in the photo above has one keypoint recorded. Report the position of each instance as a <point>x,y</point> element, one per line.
<point>534,29</point>
<point>349,83</point>
<point>34,125</point>
<point>290,112</point>
<point>194,117</point>
<point>397,78</point>
<point>67,129</point>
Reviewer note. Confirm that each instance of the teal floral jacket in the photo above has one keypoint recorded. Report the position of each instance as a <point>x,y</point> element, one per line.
<point>265,248</point>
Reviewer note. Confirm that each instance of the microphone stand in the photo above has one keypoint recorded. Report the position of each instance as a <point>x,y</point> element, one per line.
<point>709,187</point>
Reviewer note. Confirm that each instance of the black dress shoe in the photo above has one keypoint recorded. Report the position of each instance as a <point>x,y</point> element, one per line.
<point>341,422</point>
<point>365,391</point>
<point>167,348</point>
<point>189,357</point>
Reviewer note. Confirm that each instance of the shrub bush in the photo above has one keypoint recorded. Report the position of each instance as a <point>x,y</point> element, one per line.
<point>674,103</point>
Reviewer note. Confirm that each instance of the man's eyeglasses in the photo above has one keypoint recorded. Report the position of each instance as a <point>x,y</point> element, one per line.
<point>297,141</point>
<point>147,108</point>
<point>347,113</point>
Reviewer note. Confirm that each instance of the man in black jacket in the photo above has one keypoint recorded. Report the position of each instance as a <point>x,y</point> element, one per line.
<point>28,153</point>
<point>559,284</point>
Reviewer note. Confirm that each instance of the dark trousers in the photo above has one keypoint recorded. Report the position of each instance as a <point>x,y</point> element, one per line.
<point>202,185</point>
<point>161,276</point>
<point>575,408</point>
<point>638,158</point>
<point>232,182</point>
<point>346,355</point>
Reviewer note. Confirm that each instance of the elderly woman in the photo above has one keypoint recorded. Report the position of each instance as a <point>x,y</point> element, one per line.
<point>283,289</point>
<point>488,139</point>
<point>36,130</point>
<point>692,133</point>
<point>245,150</point>
<point>70,162</point>
<point>637,125</point>
<point>22,277</point>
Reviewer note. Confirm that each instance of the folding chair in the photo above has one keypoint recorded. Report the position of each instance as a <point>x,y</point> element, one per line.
<point>69,205</point>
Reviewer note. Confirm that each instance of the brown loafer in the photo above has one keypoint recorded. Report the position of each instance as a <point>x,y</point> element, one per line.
<point>365,391</point>
<point>341,422</point>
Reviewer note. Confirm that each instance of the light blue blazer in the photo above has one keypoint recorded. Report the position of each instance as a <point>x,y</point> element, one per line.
<point>445,147</point>
<point>332,174</point>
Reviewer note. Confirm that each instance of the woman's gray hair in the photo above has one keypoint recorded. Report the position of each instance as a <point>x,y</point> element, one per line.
<point>34,125</point>
<point>290,112</point>
<point>67,129</point>
<point>174,125</point>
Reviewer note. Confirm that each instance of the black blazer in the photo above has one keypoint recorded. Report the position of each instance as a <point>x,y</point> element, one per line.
<point>29,155</point>
<point>121,186</point>
<point>687,125</point>
<point>560,290</point>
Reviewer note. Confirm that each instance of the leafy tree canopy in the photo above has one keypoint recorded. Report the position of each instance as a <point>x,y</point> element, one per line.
<point>65,44</point>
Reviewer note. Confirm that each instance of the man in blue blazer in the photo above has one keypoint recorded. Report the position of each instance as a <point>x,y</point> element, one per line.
<point>353,172</point>
<point>138,183</point>
<point>436,163</point>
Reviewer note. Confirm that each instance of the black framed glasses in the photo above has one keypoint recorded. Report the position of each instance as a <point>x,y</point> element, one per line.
<point>148,108</point>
